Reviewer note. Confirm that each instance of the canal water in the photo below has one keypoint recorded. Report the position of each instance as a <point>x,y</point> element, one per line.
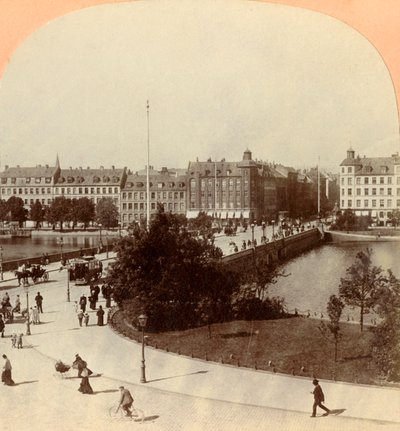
<point>315,275</point>
<point>22,248</point>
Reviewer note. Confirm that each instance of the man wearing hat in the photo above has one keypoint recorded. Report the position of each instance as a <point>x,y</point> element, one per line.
<point>319,398</point>
<point>125,401</point>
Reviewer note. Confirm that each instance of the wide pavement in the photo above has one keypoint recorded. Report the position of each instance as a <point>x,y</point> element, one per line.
<point>181,393</point>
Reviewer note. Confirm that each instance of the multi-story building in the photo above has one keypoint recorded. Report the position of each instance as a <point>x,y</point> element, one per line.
<point>370,185</point>
<point>94,184</point>
<point>233,190</point>
<point>167,187</point>
<point>31,184</point>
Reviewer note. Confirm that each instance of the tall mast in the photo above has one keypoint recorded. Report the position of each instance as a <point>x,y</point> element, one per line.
<point>148,168</point>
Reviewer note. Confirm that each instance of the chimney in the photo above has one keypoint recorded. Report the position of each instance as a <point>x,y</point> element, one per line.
<point>101,168</point>
<point>113,167</point>
<point>47,166</point>
<point>6,167</point>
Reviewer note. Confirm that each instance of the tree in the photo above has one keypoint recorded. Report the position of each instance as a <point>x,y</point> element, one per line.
<point>395,218</point>
<point>59,211</point>
<point>362,282</point>
<point>3,210</point>
<point>348,221</point>
<point>82,211</point>
<point>16,210</point>
<point>386,340</point>
<point>170,275</point>
<point>107,213</point>
<point>334,308</point>
<point>37,213</point>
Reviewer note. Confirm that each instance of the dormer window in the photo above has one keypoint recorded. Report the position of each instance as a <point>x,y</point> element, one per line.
<point>70,179</point>
<point>13,180</point>
<point>37,180</point>
<point>384,169</point>
<point>115,179</point>
<point>368,169</point>
<point>139,184</point>
<point>171,185</point>
<point>96,179</point>
<point>106,179</point>
<point>48,180</point>
<point>61,180</point>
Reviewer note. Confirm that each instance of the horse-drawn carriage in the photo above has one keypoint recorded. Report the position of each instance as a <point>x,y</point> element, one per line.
<point>36,272</point>
<point>85,270</point>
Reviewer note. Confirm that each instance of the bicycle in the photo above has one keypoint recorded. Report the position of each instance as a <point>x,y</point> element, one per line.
<point>117,413</point>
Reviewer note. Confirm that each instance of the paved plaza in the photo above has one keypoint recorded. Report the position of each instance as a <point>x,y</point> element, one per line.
<point>181,393</point>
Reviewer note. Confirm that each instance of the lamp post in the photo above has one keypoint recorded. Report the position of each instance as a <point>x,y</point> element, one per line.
<point>273,229</point>
<point>61,249</point>
<point>142,322</point>
<point>68,278</point>
<point>119,229</point>
<point>263,230</point>
<point>28,323</point>
<point>106,245</point>
<point>252,233</point>
<point>1,262</point>
<point>100,239</point>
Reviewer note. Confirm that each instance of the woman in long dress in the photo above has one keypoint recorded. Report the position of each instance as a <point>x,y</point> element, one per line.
<point>85,387</point>
<point>100,316</point>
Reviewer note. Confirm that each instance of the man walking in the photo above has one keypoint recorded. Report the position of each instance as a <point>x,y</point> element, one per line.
<point>39,301</point>
<point>319,398</point>
<point>82,303</point>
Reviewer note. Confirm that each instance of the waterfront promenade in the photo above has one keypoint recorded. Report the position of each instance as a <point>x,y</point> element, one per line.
<point>181,393</point>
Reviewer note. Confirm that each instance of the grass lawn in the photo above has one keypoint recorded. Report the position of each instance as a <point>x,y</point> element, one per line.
<point>290,344</point>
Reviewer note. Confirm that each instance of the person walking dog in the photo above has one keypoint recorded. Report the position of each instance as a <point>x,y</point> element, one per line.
<point>319,398</point>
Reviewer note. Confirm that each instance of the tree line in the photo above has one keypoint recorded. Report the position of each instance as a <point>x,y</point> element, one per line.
<point>60,212</point>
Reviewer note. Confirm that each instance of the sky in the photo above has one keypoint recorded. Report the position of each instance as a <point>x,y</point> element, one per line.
<point>290,84</point>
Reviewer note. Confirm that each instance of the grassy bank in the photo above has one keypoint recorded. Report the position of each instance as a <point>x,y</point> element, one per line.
<point>292,346</point>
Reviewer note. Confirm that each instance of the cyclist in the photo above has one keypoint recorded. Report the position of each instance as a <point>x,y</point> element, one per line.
<point>125,401</point>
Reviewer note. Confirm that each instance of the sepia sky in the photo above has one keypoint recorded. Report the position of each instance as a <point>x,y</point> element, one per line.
<point>287,83</point>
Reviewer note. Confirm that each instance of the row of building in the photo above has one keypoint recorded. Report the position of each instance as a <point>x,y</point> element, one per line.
<point>247,189</point>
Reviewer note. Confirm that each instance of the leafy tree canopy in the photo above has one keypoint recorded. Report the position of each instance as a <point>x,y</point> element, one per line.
<point>107,213</point>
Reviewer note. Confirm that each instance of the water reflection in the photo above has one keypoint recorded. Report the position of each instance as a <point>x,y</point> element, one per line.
<point>315,275</point>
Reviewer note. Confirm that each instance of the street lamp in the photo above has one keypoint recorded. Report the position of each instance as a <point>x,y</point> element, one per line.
<point>100,241</point>
<point>61,249</point>
<point>1,262</point>
<point>142,323</point>
<point>68,278</point>
<point>28,323</point>
<point>263,230</point>
<point>119,229</point>
<point>273,229</point>
<point>106,244</point>
<point>252,233</point>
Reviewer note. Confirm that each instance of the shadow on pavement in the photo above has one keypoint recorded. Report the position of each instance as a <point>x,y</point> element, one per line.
<point>25,383</point>
<point>106,391</point>
<point>337,411</point>
<point>174,377</point>
<point>150,418</point>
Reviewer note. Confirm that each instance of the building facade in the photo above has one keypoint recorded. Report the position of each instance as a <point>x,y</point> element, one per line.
<point>31,184</point>
<point>244,190</point>
<point>370,185</point>
<point>167,187</point>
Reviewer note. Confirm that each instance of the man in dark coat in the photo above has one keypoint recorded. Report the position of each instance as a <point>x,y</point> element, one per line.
<point>39,301</point>
<point>82,303</point>
<point>319,398</point>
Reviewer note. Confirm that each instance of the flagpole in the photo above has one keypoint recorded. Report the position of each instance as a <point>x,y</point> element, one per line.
<point>319,198</point>
<point>148,168</point>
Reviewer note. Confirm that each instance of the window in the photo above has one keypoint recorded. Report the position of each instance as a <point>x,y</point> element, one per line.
<point>13,180</point>
<point>381,191</point>
<point>358,180</point>
<point>342,181</point>
<point>389,191</point>
<point>349,181</point>
<point>389,203</point>
<point>342,170</point>
<point>349,170</point>
<point>398,181</point>
<point>4,180</point>
<point>37,180</point>
<point>374,191</point>
<point>342,191</point>
<point>342,201</point>
<point>366,203</point>
<point>27,180</point>
<point>349,203</point>
<point>43,191</point>
<point>382,203</point>
<point>389,180</point>
<point>349,192</point>
<point>398,202</point>
<point>358,203</point>
<point>373,180</point>
<point>374,202</point>
<point>366,192</point>
<point>382,180</point>
<point>366,180</point>
<point>358,192</point>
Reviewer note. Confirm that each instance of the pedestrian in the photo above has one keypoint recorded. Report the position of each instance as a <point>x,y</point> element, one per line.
<point>35,316</point>
<point>17,308</point>
<point>86,318</point>
<point>76,307</point>
<point>19,342</point>
<point>39,301</point>
<point>14,340</point>
<point>46,259</point>
<point>100,316</point>
<point>319,398</point>
<point>6,376</point>
<point>2,326</point>
<point>82,303</point>
<point>85,387</point>
<point>92,302</point>
<point>96,291</point>
<point>80,317</point>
